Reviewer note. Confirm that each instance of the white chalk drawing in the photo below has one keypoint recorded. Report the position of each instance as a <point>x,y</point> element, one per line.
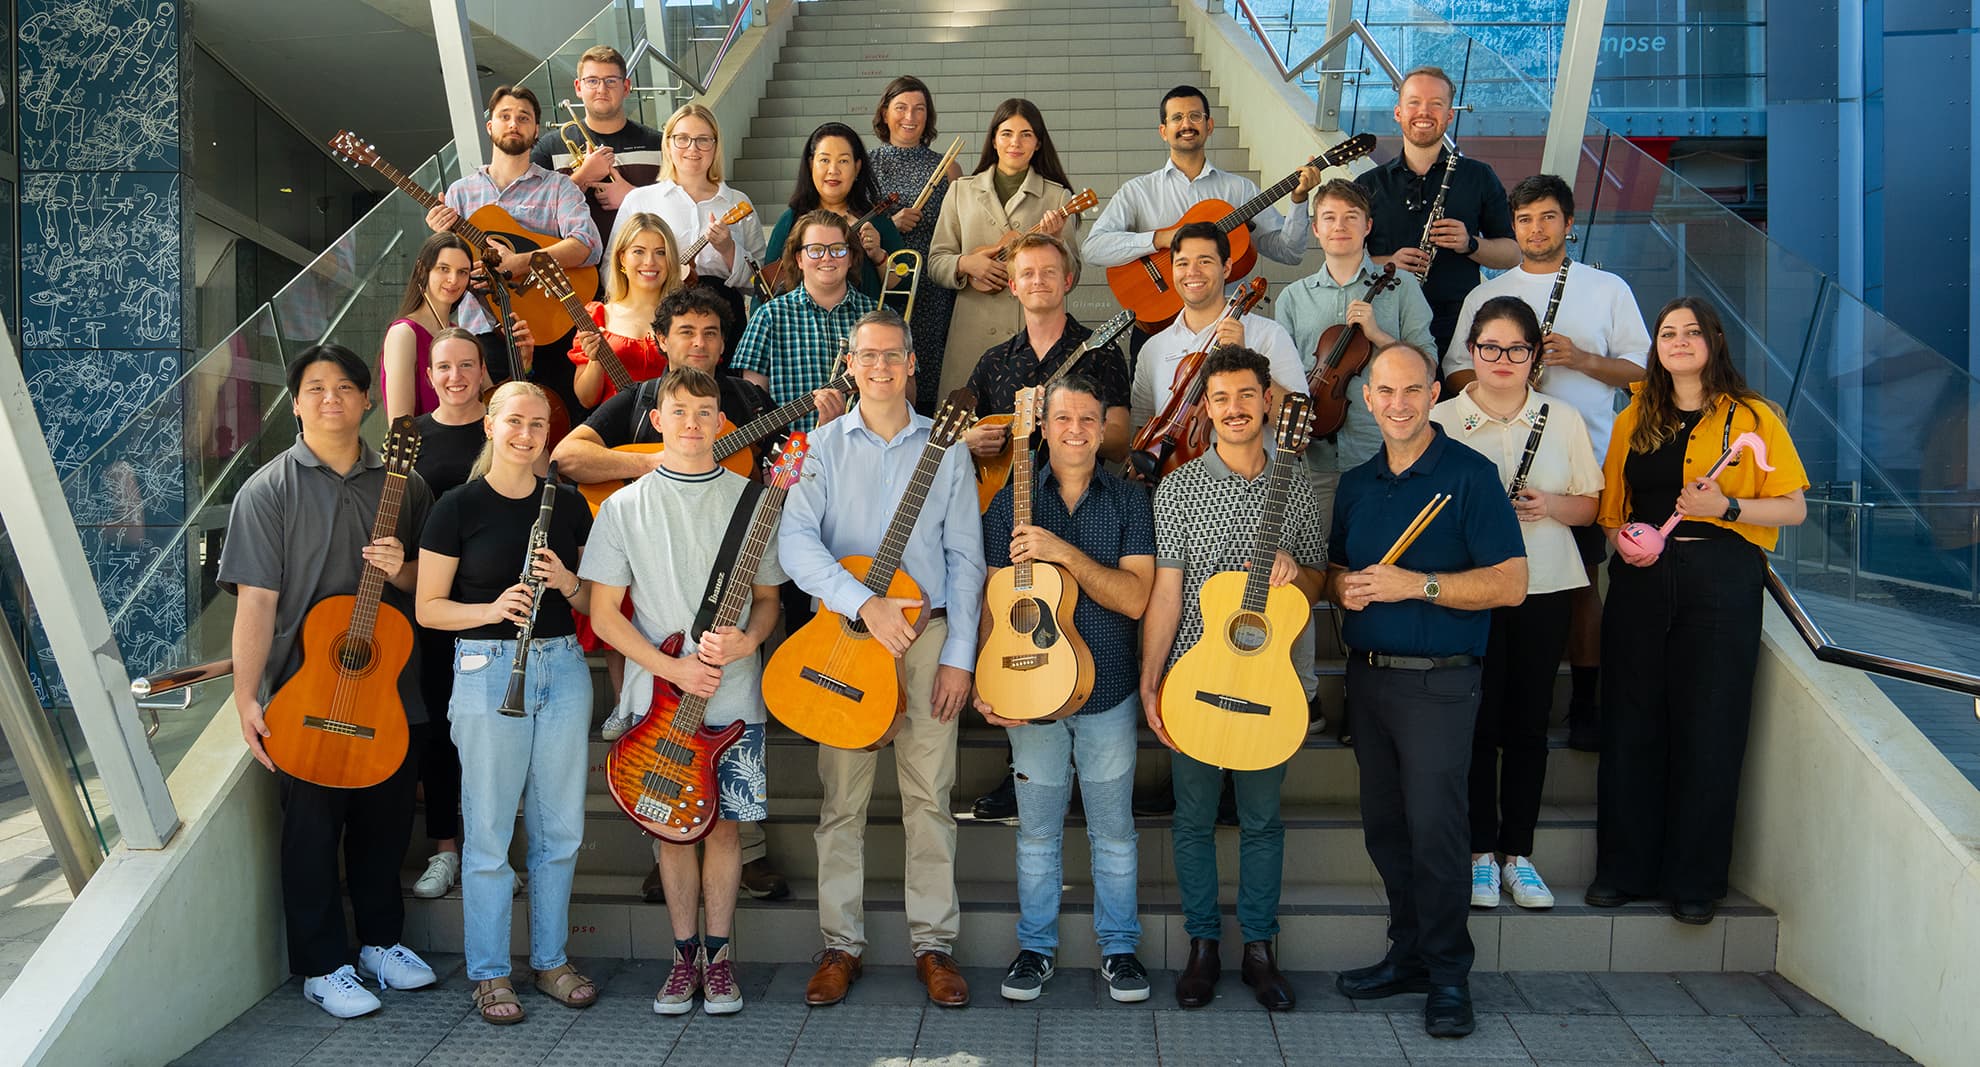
<point>99,85</point>
<point>100,261</point>
<point>152,627</point>
<point>118,447</point>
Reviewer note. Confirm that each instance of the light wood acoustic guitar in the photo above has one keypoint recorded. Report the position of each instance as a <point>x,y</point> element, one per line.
<point>993,472</point>
<point>1234,700</point>
<point>338,721</point>
<point>1147,286</point>
<point>729,218</point>
<point>661,773</point>
<point>1000,249</point>
<point>1033,664</point>
<point>488,227</point>
<point>831,681</point>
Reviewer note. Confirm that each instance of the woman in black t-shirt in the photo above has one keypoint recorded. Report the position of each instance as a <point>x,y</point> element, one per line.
<point>470,557</point>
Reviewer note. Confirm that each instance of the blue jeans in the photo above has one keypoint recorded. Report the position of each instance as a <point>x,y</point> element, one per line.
<point>537,760</point>
<point>1261,847</point>
<point>1101,744</point>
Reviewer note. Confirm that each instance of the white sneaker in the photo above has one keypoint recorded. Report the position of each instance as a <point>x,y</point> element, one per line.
<point>341,994</point>
<point>616,726</point>
<point>394,968</point>
<point>1528,890</point>
<point>1485,883</point>
<point>443,872</point>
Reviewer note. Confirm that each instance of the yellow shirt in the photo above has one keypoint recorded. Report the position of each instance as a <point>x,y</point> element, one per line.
<point>1742,481</point>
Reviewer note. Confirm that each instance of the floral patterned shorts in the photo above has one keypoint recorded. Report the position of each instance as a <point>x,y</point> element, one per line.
<point>740,776</point>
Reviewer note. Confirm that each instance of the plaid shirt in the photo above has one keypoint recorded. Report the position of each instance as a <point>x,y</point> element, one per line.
<point>795,343</point>
<point>541,200</point>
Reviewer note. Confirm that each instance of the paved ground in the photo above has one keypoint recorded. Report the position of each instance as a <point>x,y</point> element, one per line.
<point>33,893</point>
<point>1523,1018</point>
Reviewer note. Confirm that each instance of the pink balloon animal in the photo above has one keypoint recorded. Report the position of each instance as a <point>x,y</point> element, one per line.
<point>1643,542</point>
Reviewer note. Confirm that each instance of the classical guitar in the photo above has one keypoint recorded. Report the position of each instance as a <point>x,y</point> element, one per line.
<point>771,278</point>
<point>830,681</point>
<point>1233,699</point>
<point>994,472</point>
<point>338,721</point>
<point>1033,664</point>
<point>551,277</point>
<point>1180,432</point>
<point>1147,285</point>
<point>488,227</point>
<point>734,445</point>
<point>1339,356</point>
<point>661,773</point>
<point>1000,249</point>
<point>729,218</point>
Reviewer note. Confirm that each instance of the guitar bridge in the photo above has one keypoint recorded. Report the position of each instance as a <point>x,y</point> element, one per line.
<point>1225,702</point>
<point>653,810</point>
<point>832,685</point>
<point>1028,662</point>
<point>338,726</point>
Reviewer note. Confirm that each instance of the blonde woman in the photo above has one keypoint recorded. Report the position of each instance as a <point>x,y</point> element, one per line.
<point>641,269</point>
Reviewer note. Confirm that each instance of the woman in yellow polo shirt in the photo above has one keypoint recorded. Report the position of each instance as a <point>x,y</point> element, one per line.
<point>1681,628</point>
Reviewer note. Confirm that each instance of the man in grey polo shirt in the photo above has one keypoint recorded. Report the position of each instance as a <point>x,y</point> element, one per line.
<point>299,531</point>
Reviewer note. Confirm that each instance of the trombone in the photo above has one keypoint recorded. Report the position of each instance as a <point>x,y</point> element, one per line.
<point>583,144</point>
<point>905,263</point>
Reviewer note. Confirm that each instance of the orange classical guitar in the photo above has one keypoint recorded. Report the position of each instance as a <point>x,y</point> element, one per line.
<point>831,681</point>
<point>1000,249</point>
<point>662,772</point>
<point>338,721</point>
<point>993,472</point>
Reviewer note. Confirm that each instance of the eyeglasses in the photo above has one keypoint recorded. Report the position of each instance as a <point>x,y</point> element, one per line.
<point>601,83</point>
<point>1509,353</point>
<point>867,357</point>
<point>818,251</point>
<point>684,142</point>
<point>1189,116</point>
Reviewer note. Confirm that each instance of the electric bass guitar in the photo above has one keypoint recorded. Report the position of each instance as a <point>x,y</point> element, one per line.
<point>1147,286</point>
<point>661,773</point>
<point>1180,432</point>
<point>1234,700</point>
<point>489,227</point>
<point>994,472</point>
<point>831,681</point>
<point>729,218</point>
<point>1000,249</point>
<point>338,721</point>
<point>771,278</point>
<point>1033,664</point>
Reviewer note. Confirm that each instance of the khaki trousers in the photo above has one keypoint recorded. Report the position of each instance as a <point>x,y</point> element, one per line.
<point>925,766</point>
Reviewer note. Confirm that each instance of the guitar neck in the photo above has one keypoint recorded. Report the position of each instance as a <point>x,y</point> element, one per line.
<point>595,344</point>
<point>894,545</point>
<point>1244,212</point>
<point>371,586</point>
<point>1271,524</point>
<point>429,200</point>
<point>765,424</point>
<point>1021,502</point>
<point>737,592</point>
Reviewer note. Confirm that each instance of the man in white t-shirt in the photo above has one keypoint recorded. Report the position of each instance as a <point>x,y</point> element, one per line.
<point>1595,346</point>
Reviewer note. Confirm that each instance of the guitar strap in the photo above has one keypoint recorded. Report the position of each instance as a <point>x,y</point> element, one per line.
<point>725,560</point>
<point>646,397</point>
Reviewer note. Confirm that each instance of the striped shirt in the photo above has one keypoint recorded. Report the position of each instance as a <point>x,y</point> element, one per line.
<point>540,200</point>
<point>795,343</point>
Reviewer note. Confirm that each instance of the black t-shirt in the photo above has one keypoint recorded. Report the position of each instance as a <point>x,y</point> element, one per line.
<point>447,453</point>
<point>623,419</point>
<point>1657,477</point>
<point>488,533</point>
<point>638,151</point>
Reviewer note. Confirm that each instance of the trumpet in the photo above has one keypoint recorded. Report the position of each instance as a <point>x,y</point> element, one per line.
<point>584,143</point>
<point>909,267</point>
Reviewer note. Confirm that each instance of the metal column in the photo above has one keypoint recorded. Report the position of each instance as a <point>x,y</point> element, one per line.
<point>1327,112</point>
<point>463,85</point>
<point>1574,82</point>
<point>39,755</point>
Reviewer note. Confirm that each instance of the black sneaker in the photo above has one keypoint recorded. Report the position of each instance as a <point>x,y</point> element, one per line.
<point>1027,976</point>
<point>1127,979</point>
<point>1316,717</point>
<point>1227,803</point>
<point>1158,800</point>
<point>999,804</point>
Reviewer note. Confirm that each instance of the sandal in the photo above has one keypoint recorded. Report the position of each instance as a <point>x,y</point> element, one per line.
<point>567,987</point>
<point>494,993</point>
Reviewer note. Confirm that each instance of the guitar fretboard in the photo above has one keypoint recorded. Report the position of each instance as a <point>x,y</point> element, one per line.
<point>371,586</point>
<point>1271,524</point>
<point>1244,212</point>
<point>595,344</point>
<point>426,198</point>
<point>769,422</point>
<point>1021,503</point>
<point>736,593</point>
<point>893,546</point>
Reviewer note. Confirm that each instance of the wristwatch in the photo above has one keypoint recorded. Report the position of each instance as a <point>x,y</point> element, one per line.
<point>1431,587</point>
<point>1474,246</point>
<point>1732,510</point>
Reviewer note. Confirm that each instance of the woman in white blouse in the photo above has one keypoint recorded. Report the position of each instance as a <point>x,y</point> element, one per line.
<point>1541,444</point>
<point>692,197</point>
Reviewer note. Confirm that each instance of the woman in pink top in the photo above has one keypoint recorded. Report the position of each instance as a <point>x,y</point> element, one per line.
<point>438,284</point>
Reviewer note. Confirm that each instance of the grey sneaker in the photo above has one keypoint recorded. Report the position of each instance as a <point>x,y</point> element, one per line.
<point>720,995</point>
<point>616,726</point>
<point>1127,979</point>
<point>676,997</point>
<point>1027,976</point>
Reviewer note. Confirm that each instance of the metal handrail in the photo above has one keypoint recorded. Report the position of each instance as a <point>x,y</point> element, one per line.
<point>645,49</point>
<point>1354,28</point>
<point>1829,652</point>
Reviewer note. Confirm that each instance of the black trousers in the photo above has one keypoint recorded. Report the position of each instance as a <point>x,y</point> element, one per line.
<point>1680,643</point>
<point>1413,743</point>
<point>1509,744</point>
<point>439,760</point>
<point>371,827</point>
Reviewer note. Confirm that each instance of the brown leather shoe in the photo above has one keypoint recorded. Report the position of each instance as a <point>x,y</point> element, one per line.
<point>937,971</point>
<point>764,882</point>
<point>651,890</point>
<point>1197,984</point>
<point>837,971</point>
<point>1261,973</point>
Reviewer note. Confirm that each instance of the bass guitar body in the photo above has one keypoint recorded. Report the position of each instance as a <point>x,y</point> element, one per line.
<point>833,683</point>
<point>338,722</point>
<point>545,314</point>
<point>1147,286</point>
<point>742,462</point>
<point>1033,664</point>
<point>663,777</point>
<point>1234,700</point>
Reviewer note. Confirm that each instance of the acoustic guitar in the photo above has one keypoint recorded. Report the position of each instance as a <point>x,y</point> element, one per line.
<point>831,681</point>
<point>338,721</point>
<point>489,227</point>
<point>993,472</point>
<point>661,773</point>
<point>770,279</point>
<point>1000,249</point>
<point>550,276</point>
<point>1147,286</point>
<point>1180,432</point>
<point>734,445</point>
<point>729,218</point>
<point>1234,700</point>
<point>1033,664</point>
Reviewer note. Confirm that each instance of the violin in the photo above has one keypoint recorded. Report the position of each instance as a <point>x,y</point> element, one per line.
<point>1341,353</point>
<point>1181,432</point>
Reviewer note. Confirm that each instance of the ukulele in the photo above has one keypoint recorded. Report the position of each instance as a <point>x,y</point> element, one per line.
<point>1181,431</point>
<point>830,681</point>
<point>1147,285</point>
<point>1033,664</point>
<point>488,228</point>
<point>771,278</point>
<point>1000,250</point>
<point>338,721</point>
<point>994,472</point>
<point>686,258</point>
<point>661,773</point>
<point>1338,356</point>
<point>1233,700</point>
<point>556,283</point>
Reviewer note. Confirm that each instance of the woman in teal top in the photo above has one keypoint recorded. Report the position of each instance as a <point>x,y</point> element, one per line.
<point>836,176</point>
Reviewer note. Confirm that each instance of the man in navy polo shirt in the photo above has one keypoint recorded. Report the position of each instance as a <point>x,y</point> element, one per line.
<point>1415,632</point>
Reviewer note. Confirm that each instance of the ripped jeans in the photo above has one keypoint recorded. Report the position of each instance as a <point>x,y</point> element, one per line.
<point>1101,745</point>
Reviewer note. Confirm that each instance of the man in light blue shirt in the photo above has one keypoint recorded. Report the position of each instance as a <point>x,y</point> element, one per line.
<point>858,471</point>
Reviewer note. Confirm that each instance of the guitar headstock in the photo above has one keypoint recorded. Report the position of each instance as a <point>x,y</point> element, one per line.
<point>1347,151</point>
<point>738,213</point>
<point>1247,296</point>
<point>958,414</point>
<point>1295,423</point>
<point>1084,200</point>
<point>351,148</point>
<point>1024,414</point>
<point>1110,331</point>
<point>784,470</point>
<point>401,447</point>
<point>550,275</point>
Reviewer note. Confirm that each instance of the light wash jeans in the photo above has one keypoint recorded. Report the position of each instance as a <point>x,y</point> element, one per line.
<point>537,760</point>
<point>1101,745</point>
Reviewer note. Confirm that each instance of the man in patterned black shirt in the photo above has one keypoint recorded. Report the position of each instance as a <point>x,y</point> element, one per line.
<point>1205,516</point>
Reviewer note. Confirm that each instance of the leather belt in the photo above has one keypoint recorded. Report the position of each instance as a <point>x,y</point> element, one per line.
<point>1416,663</point>
<point>938,613</point>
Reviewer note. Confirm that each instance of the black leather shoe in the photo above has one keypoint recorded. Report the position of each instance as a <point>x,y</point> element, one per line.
<point>999,804</point>
<point>1227,804</point>
<point>1448,1011</point>
<point>1261,973</point>
<point>1695,912</point>
<point>1385,979</point>
<point>1197,984</point>
<point>1156,801</point>
<point>1606,896</point>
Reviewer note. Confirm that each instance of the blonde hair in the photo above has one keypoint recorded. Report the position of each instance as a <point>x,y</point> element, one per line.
<point>617,285</point>
<point>667,133</point>
<point>498,400</point>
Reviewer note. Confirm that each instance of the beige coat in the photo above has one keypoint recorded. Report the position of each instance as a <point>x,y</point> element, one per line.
<point>971,218</point>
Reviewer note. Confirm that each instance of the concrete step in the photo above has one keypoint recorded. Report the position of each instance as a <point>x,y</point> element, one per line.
<point>1151,38</point>
<point>799,113</point>
<point>1133,71</point>
<point>1015,21</point>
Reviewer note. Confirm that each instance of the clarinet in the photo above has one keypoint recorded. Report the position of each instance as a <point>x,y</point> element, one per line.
<point>1532,449</point>
<point>539,537</point>
<point>1547,322</point>
<point>1437,207</point>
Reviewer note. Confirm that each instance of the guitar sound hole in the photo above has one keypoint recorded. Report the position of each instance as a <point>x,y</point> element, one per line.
<point>1248,632</point>
<point>355,656</point>
<point>1024,615</point>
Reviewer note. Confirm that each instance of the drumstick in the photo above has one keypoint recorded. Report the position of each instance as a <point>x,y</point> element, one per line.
<point>1423,520</point>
